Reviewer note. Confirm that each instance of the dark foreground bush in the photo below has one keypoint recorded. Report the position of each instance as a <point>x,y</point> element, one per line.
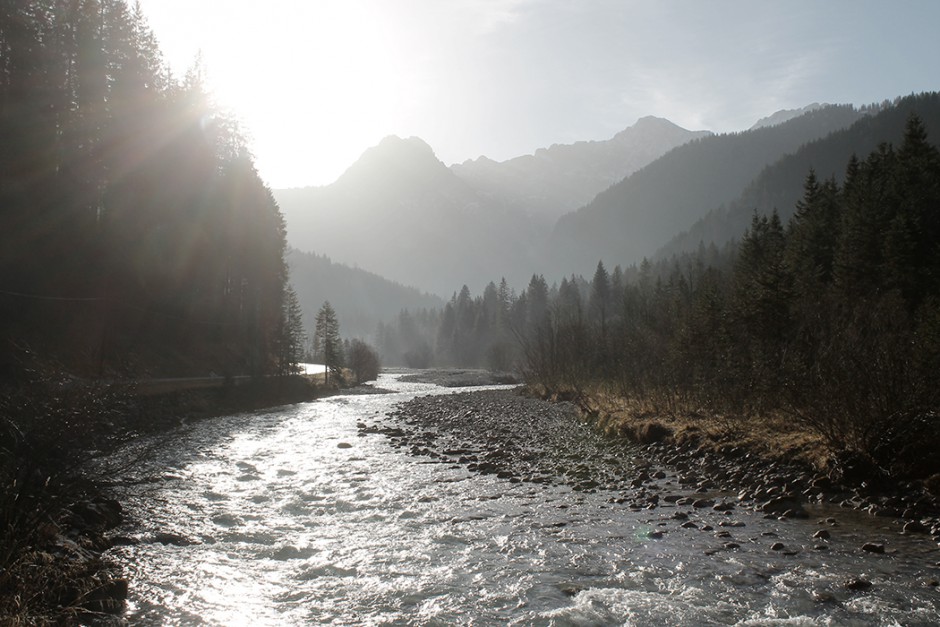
<point>50,528</point>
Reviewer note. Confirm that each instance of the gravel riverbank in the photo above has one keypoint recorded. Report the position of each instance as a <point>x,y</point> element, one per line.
<point>525,439</point>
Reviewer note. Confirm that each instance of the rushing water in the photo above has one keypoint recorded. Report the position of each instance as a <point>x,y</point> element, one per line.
<point>290,517</point>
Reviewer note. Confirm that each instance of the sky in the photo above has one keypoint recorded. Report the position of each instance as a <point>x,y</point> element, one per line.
<point>314,83</point>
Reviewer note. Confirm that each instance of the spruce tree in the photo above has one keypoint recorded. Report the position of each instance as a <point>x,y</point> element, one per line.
<point>327,343</point>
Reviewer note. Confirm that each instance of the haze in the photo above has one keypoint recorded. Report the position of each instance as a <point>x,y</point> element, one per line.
<point>316,83</point>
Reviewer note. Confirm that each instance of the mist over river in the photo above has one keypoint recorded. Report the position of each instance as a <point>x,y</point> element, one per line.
<point>300,516</point>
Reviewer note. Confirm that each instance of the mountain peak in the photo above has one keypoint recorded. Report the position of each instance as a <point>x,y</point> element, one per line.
<point>394,142</point>
<point>393,157</point>
<point>658,128</point>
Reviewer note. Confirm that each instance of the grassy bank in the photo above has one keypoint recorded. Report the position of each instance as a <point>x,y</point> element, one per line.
<point>773,436</point>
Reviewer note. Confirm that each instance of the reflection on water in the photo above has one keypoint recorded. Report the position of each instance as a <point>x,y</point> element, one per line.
<point>289,517</point>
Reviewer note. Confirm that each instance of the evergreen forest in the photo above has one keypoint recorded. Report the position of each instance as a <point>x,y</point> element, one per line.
<point>137,236</point>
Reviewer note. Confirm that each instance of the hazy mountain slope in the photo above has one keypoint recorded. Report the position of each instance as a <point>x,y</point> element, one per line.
<point>559,179</point>
<point>632,219</point>
<point>785,115</point>
<point>361,299</point>
<point>781,184</point>
<point>401,213</point>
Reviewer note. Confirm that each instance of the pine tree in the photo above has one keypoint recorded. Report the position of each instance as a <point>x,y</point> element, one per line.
<point>291,336</point>
<point>327,343</point>
<point>600,298</point>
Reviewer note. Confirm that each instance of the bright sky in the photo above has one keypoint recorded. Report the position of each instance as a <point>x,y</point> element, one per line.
<point>317,82</point>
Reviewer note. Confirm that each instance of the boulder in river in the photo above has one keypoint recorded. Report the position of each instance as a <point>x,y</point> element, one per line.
<point>781,504</point>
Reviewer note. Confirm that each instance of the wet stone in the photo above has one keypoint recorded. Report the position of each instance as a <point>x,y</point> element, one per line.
<point>858,584</point>
<point>873,547</point>
<point>915,526</point>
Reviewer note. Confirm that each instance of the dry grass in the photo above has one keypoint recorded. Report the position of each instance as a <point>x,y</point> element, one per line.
<point>52,587</point>
<point>650,419</point>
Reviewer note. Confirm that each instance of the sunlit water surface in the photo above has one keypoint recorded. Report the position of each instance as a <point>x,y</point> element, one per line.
<point>290,517</point>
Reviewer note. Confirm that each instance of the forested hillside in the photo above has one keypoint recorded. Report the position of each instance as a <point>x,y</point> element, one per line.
<point>831,319</point>
<point>135,233</point>
<point>780,185</point>
<point>632,219</point>
<point>361,299</point>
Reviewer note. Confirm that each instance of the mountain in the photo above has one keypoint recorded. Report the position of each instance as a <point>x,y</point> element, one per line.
<point>398,211</point>
<point>780,185</point>
<point>361,299</point>
<point>401,213</point>
<point>632,219</point>
<point>559,179</point>
<point>785,115</point>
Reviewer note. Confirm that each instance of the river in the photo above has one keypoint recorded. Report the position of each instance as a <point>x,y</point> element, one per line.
<point>294,516</point>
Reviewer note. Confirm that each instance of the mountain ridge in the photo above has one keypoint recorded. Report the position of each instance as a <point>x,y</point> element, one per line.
<point>562,177</point>
<point>780,184</point>
<point>632,219</point>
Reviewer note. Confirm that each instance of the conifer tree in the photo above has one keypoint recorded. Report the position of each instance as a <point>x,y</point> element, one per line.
<point>327,343</point>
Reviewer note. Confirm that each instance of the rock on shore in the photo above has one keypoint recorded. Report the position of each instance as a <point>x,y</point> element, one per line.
<point>527,439</point>
<point>518,438</point>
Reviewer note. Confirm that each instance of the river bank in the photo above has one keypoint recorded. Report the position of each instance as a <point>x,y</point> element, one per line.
<point>524,439</point>
<point>59,519</point>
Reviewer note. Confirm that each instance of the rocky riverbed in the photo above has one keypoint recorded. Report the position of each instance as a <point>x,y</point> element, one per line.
<point>523,439</point>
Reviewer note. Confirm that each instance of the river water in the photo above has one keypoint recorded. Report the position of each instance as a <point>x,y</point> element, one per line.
<point>293,517</point>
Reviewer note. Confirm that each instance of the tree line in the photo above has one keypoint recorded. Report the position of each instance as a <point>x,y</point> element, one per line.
<point>135,232</point>
<point>832,318</point>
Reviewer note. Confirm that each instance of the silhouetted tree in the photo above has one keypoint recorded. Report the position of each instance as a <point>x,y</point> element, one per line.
<point>328,346</point>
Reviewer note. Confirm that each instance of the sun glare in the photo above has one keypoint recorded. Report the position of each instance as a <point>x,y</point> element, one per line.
<point>327,75</point>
